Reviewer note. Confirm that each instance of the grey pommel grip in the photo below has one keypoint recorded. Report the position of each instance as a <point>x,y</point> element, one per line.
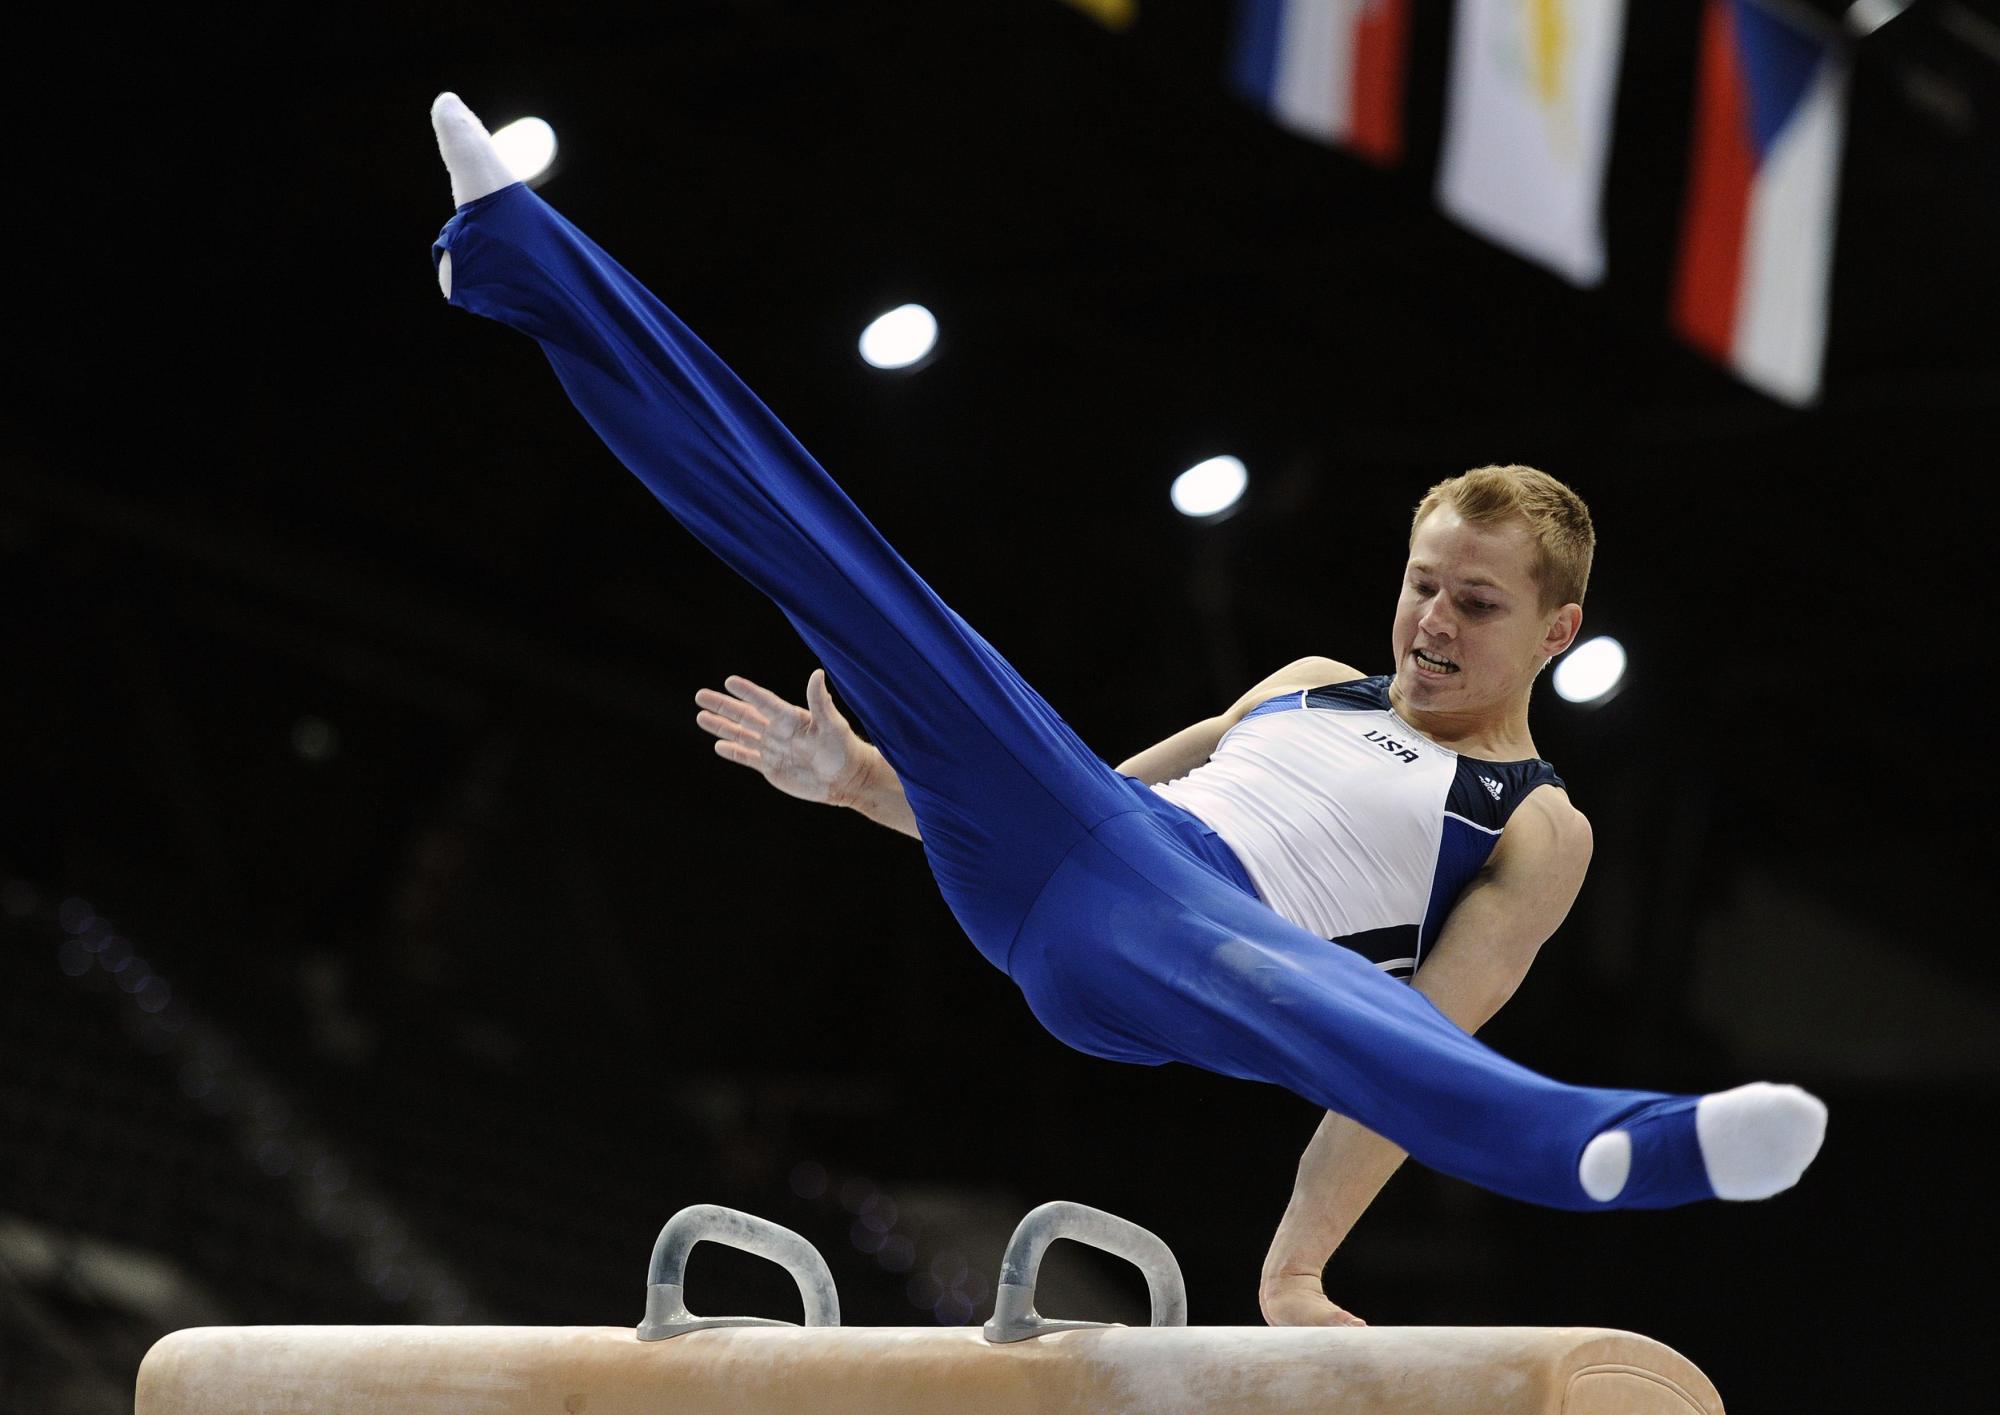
<point>1014,1315</point>
<point>666,1308</point>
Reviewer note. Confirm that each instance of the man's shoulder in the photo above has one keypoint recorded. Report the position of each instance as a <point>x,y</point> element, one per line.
<point>1313,673</point>
<point>1297,676</point>
<point>1555,830</point>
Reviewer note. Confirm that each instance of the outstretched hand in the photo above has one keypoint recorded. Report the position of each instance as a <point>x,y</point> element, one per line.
<point>1298,1300</point>
<point>809,752</point>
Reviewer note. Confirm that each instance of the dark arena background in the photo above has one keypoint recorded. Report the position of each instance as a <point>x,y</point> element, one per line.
<point>382,942</point>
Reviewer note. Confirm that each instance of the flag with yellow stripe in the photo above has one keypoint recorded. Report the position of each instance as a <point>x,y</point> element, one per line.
<point>1528,127</point>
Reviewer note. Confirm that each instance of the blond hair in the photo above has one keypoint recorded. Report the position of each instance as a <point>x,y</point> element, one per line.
<point>1556,517</point>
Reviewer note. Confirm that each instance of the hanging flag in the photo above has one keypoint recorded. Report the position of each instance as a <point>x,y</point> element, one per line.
<point>1330,70</point>
<point>1528,127</point>
<point>1757,239</point>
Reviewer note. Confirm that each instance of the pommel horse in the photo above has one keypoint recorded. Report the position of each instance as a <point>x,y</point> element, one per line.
<point>1020,1363</point>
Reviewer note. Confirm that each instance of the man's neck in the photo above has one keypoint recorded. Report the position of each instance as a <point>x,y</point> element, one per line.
<point>1496,737</point>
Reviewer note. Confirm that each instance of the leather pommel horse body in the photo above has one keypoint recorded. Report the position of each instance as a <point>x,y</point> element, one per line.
<point>901,1371</point>
<point>1021,1363</point>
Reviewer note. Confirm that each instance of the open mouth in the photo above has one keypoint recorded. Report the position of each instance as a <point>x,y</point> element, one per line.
<point>1430,663</point>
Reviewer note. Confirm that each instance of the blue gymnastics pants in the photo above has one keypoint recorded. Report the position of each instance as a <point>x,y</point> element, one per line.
<point>1129,927</point>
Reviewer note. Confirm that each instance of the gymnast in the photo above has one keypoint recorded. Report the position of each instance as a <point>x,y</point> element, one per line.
<point>1236,898</point>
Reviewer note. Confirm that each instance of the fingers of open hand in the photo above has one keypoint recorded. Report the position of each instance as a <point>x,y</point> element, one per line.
<point>737,740</point>
<point>735,709</point>
<point>754,727</point>
<point>761,700</point>
<point>729,729</point>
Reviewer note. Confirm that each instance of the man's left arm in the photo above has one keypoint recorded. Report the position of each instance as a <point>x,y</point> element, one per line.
<point>1481,955</point>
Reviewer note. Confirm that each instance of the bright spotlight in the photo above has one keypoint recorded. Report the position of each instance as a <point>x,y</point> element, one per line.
<point>1591,672</point>
<point>1209,488</point>
<point>900,338</point>
<point>1864,17</point>
<point>527,146</point>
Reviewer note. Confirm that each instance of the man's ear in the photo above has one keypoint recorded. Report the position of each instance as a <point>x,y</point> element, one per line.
<point>1563,629</point>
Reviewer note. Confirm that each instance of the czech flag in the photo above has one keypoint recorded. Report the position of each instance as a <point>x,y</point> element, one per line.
<point>1330,70</point>
<point>1757,241</point>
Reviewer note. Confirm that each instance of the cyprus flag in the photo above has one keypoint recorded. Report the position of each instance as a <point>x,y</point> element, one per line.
<point>1528,126</point>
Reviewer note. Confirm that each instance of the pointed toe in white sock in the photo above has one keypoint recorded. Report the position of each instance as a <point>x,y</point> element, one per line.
<point>475,165</point>
<point>1758,1139</point>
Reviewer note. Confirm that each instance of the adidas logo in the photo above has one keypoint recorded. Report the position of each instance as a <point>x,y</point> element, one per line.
<point>1491,785</point>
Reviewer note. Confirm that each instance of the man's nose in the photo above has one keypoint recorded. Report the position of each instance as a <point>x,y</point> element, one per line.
<point>1437,618</point>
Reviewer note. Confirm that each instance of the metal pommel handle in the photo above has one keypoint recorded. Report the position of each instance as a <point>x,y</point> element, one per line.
<point>1014,1315</point>
<point>666,1311</point>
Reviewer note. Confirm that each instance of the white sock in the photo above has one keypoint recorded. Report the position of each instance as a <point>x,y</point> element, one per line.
<point>1755,1142</point>
<point>475,165</point>
<point>1758,1139</point>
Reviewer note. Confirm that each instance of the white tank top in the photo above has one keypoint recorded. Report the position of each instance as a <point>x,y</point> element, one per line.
<point>1349,822</point>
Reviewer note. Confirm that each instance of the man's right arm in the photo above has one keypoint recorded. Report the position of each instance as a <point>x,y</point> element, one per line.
<point>812,753</point>
<point>1489,940</point>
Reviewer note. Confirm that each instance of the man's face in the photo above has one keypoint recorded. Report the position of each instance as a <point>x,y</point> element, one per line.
<point>1470,632</point>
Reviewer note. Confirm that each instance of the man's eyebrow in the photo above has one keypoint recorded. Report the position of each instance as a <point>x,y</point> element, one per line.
<point>1479,580</point>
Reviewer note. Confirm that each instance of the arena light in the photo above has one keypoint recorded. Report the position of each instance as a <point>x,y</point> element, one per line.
<point>1864,17</point>
<point>1207,489</point>
<point>1592,671</point>
<point>900,339</point>
<point>527,146</point>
